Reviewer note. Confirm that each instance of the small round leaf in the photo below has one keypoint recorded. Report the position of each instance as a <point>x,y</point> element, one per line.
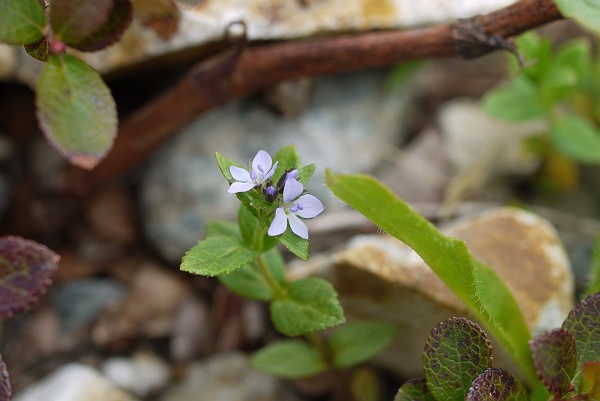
<point>290,359</point>
<point>496,384</point>
<point>21,21</point>
<point>555,359</point>
<point>414,390</point>
<point>26,270</point>
<point>74,20</point>
<point>76,110</point>
<point>39,50</point>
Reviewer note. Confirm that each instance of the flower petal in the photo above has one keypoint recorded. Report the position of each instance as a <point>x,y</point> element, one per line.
<point>270,172</point>
<point>291,190</point>
<point>239,174</point>
<point>262,159</point>
<point>240,187</point>
<point>279,223</point>
<point>297,226</point>
<point>311,206</point>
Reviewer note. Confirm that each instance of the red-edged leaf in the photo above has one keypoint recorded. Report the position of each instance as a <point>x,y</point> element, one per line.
<point>496,384</point>
<point>111,31</point>
<point>555,359</point>
<point>5,388</point>
<point>26,270</point>
<point>583,323</point>
<point>75,20</point>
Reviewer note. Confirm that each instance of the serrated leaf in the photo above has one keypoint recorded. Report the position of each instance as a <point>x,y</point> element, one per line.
<point>75,20</point>
<point>217,255</point>
<point>590,381</point>
<point>586,12</point>
<point>555,359</point>
<point>355,343</point>
<point>414,390</point>
<point>583,323</point>
<point>21,21</point>
<point>39,50</point>
<point>496,384</point>
<point>76,110</point>
<point>594,281</point>
<point>26,271</point>
<point>312,305</point>
<point>576,138</point>
<point>222,227</point>
<point>250,283</point>
<point>289,359</point>
<point>475,284</point>
<point>5,387</point>
<point>456,351</point>
<point>518,101</point>
<point>110,31</point>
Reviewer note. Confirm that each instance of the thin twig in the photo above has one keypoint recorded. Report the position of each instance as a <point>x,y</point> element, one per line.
<point>242,71</point>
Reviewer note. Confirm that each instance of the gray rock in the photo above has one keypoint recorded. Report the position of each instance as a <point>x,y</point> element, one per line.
<point>73,382</point>
<point>142,374</point>
<point>227,377</point>
<point>347,123</point>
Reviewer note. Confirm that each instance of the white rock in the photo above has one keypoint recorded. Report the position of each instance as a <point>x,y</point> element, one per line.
<point>73,382</point>
<point>143,374</point>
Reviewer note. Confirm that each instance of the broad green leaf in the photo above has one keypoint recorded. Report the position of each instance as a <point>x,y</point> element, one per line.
<point>590,381</point>
<point>21,21</point>
<point>75,20</point>
<point>586,12</point>
<point>224,228</point>
<point>76,110</point>
<point>496,384</point>
<point>289,359</point>
<point>249,282</point>
<point>26,271</point>
<point>519,101</point>
<point>217,255</point>
<point>576,138</point>
<point>537,52</point>
<point>456,351</point>
<point>583,323</point>
<point>555,359</point>
<point>38,50</point>
<point>312,305</point>
<point>475,284</point>
<point>355,343</point>
<point>305,173</point>
<point>414,390</point>
<point>577,55</point>
<point>594,282</point>
<point>288,158</point>
<point>253,234</point>
<point>5,387</point>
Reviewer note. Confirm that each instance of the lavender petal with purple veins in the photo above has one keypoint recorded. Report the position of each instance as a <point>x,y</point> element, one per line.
<point>262,170</point>
<point>295,205</point>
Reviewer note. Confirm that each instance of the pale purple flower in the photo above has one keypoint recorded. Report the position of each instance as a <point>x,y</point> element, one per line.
<point>295,205</point>
<point>262,169</point>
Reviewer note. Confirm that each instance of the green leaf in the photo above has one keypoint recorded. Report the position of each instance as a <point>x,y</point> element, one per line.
<point>364,385</point>
<point>496,384</point>
<point>577,55</point>
<point>253,234</point>
<point>76,110</point>
<point>537,52</point>
<point>456,351</point>
<point>289,359</point>
<point>590,381</point>
<point>475,284</point>
<point>217,255</point>
<point>355,343</point>
<point>518,101</point>
<point>583,323</point>
<point>249,282</point>
<point>555,359</point>
<point>5,387</point>
<point>39,50</point>
<point>414,390</point>
<point>400,74</point>
<point>312,305</point>
<point>305,173</point>
<point>26,271</point>
<point>594,281</point>
<point>222,227</point>
<point>586,12</point>
<point>288,158</point>
<point>576,138</point>
<point>21,21</point>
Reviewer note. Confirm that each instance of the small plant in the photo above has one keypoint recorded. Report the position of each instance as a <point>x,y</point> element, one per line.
<point>458,362</point>
<point>245,258</point>
<point>26,271</point>
<point>75,109</point>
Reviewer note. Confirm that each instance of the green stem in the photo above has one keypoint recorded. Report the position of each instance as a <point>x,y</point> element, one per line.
<point>280,293</point>
<point>317,341</point>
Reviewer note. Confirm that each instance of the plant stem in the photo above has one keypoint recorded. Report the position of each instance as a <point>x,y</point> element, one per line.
<point>317,341</point>
<point>280,292</point>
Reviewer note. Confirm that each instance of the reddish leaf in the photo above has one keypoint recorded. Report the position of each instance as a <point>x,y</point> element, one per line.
<point>555,359</point>
<point>5,388</point>
<point>26,270</point>
<point>111,31</point>
<point>74,20</point>
<point>583,323</point>
<point>496,384</point>
<point>590,382</point>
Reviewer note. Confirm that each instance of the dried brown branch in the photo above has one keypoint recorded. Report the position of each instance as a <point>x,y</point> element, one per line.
<point>244,70</point>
